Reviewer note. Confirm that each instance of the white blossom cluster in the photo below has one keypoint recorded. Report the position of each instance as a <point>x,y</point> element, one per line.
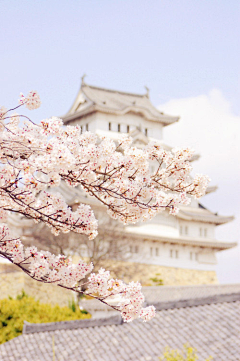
<point>131,298</point>
<point>35,158</point>
<point>32,101</point>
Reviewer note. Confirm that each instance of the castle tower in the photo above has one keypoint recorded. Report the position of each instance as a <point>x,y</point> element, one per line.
<point>179,249</point>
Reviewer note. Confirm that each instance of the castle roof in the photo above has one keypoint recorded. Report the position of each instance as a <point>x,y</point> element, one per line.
<point>202,214</point>
<point>91,99</point>
<point>205,317</point>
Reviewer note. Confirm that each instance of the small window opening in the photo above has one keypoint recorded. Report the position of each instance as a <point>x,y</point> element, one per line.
<point>133,249</point>
<point>109,126</point>
<point>128,128</point>
<point>86,127</point>
<point>119,128</point>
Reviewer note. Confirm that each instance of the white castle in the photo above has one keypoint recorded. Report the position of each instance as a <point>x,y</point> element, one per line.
<point>181,248</point>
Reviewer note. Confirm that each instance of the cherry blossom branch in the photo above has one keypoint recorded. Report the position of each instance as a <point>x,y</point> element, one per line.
<point>47,268</point>
<point>34,159</point>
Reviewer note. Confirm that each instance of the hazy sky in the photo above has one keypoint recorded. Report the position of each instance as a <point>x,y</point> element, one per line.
<point>186,52</point>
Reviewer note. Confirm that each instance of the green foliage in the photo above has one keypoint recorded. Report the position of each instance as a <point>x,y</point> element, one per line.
<point>21,296</point>
<point>158,281</point>
<point>186,354</point>
<point>24,308</point>
<point>73,305</point>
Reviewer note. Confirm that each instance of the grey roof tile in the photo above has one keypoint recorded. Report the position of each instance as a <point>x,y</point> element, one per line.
<point>214,329</point>
<point>175,293</point>
<point>172,294</point>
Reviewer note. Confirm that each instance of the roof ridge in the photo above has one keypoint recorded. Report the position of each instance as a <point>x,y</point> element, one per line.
<point>177,287</point>
<point>200,301</point>
<point>113,91</point>
<point>117,320</point>
<point>70,325</point>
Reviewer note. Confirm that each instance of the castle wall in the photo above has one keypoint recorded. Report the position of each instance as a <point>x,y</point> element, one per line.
<point>194,229</point>
<point>171,276</point>
<point>100,121</point>
<point>172,255</point>
<point>13,282</point>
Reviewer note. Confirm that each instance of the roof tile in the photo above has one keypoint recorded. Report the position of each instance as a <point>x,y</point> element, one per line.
<point>214,329</point>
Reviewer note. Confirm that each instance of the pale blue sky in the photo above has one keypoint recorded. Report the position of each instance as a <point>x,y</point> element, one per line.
<point>179,49</point>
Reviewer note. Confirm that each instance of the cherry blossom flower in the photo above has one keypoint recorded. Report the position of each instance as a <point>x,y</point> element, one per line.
<point>32,101</point>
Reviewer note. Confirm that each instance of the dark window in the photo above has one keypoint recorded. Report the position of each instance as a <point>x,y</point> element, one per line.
<point>109,126</point>
<point>134,249</point>
<point>86,127</point>
<point>119,128</point>
<point>146,132</point>
<point>128,128</point>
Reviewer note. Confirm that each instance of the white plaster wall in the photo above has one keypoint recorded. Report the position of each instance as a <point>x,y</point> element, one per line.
<point>188,257</point>
<point>100,121</point>
<point>163,218</point>
<point>194,229</point>
<point>90,120</point>
<point>207,257</point>
<point>167,225</point>
<point>131,119</point>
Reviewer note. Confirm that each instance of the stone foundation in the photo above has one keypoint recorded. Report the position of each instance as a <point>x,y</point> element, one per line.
<point>171,276</point>
<point>14,281</point>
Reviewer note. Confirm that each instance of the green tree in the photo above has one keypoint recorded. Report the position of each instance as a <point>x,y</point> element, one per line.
<point>13,312</point>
